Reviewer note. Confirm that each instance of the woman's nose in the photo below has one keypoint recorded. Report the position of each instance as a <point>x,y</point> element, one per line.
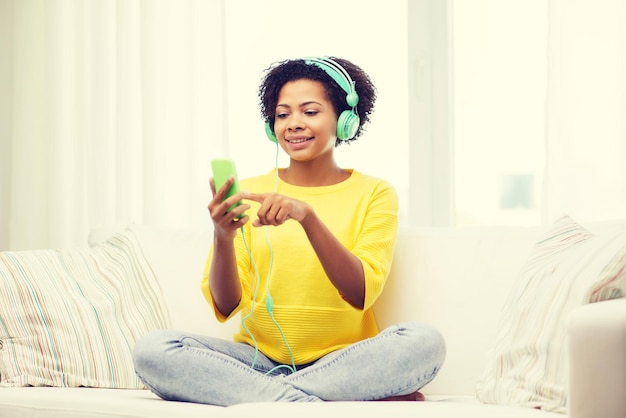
<point>295,122</point>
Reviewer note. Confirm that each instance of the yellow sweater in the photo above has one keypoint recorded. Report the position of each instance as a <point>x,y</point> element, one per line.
<point>362,213</point>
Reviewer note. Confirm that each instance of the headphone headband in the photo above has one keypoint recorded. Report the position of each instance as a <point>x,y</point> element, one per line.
<point>335,71</point>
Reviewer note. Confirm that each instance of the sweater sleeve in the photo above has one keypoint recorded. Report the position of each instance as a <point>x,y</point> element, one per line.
<point>376,241</point>
<point>243,266</point>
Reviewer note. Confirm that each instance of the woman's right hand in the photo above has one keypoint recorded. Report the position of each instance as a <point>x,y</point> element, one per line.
<point>226,223</point>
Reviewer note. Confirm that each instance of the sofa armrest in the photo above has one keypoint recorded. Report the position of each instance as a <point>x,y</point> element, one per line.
<point>597,349</point>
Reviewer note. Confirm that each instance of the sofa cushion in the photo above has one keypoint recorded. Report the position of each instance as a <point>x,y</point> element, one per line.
<point>178,257</point>
<point>456,279</point>
<point>569,267</point>
<point>71,317</point>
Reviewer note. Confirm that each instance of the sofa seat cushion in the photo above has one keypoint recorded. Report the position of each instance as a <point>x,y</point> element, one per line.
<point>71,317</point>
<point>40,402</point>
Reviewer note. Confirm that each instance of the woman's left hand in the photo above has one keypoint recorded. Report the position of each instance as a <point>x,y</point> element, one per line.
<point>276,209</point>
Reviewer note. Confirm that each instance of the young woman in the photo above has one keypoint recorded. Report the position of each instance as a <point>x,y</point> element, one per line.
<point>302,261</point>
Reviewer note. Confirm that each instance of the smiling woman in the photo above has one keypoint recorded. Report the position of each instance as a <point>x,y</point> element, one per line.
<point>317,241</point>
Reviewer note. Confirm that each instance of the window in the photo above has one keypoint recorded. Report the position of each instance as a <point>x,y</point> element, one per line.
<point>516,115</point>
<point>499,78</point>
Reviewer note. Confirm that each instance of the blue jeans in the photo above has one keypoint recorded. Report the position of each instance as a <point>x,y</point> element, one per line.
<point>183,367</point>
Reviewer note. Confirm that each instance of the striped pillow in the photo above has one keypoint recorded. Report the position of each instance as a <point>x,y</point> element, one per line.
<point>568,268</point>
<point>71,317</point>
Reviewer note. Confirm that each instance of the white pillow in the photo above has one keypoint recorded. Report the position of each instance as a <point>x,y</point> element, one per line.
<point>71,317</point>
<point>571,266</point>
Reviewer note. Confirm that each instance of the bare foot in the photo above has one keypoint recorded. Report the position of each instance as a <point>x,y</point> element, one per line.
<point>415,397</point>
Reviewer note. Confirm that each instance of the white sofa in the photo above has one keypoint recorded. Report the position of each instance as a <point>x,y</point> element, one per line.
<point>457,279</point>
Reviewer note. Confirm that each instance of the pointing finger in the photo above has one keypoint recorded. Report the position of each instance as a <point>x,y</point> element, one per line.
<point>257,197</point>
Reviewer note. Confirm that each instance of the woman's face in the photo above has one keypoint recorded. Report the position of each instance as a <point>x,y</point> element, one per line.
<point>306,123</point>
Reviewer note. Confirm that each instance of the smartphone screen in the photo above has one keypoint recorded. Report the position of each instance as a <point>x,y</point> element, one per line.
<point>223,169</point>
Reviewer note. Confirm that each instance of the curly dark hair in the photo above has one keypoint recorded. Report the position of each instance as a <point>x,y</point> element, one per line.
<point>279,74</point>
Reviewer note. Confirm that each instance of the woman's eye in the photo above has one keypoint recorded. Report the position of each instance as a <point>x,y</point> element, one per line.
<point>311,112</point>
<point>281,115</point>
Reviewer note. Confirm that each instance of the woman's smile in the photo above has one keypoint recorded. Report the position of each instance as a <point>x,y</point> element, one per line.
<point>298,139</point>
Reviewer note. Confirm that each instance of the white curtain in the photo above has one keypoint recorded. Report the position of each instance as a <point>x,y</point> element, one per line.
<point>110,106</point>
<point>111,110</point>
<point>586,109</point>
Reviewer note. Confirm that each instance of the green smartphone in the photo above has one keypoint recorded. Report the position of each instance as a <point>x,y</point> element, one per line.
<point>224,168</point>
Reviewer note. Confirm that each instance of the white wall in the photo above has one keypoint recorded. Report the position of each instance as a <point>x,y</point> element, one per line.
<point>6,29</point>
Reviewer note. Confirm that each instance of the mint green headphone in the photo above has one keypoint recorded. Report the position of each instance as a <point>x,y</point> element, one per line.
<point>348,122</point>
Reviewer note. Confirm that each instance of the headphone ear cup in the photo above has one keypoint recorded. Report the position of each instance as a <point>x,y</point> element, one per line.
<point>270,133</point>
<point>347,125</point>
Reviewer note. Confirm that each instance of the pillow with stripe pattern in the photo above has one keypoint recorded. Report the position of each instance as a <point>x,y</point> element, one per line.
<point>71,317</point>
<point>571,266</point>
